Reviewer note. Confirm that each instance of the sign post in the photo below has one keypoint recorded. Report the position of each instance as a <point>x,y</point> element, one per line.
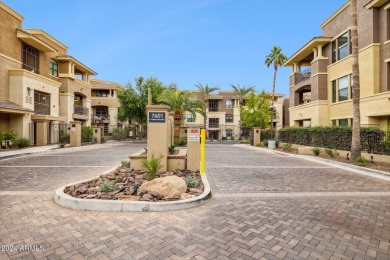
<point>193,149</point>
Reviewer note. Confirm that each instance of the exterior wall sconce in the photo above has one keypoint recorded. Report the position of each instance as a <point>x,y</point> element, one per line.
<point>28,91</point>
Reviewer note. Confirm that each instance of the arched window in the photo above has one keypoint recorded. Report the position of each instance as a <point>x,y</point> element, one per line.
<point>30,59</point>
<point>53,67</point>
<point>229,103</point>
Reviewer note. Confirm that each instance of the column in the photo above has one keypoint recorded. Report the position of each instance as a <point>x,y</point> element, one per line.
<point>41,132</point>
<point>158,127</point>
<point>193,149</point>
<point>75,133</point>
<point>319,47</point>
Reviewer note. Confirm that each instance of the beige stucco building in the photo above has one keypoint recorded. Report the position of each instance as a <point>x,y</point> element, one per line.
<point>223,116</point>
<point>320,82</point>
<point>42,88</point>
<point>105,105</point>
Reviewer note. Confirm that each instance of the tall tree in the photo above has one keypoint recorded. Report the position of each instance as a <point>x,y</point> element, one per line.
<point>256,112</point>
<point>241,92</point>
<point>356,143</point>
<point>180,102</point>
<point>205,91</point>
<point>133,99</point>
<point>276,57</point>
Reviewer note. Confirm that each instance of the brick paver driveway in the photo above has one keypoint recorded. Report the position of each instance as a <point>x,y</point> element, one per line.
<point>264,205</point>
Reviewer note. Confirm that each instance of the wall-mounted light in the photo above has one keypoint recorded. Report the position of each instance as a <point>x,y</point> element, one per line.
<point>28,91</point>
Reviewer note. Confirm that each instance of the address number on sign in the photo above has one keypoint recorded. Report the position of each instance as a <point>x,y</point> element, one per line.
<point>156,117</point>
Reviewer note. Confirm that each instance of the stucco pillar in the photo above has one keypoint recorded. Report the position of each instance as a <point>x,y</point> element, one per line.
<point>41,132</point>
<point>315,53</point>
<point>158,127</point>
<point>193,149</point>
<point>256,135</point>
<point>75,133</point>
<point>97,133</point>
<point>171,132</point>
<point>319,47</point>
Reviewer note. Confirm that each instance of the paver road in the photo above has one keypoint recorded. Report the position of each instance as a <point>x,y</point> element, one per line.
<point>264,206</point>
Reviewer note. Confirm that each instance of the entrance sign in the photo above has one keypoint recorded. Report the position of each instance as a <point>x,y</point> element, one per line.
<point>156,117</point>
<point>193,135</point>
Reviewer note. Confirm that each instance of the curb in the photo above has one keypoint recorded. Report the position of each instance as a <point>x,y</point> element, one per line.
<point>345,166</point>
<point>70,202</point>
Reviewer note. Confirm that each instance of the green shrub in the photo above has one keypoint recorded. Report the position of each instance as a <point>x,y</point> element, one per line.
<point>22,142</point>
<point>245,141</point>
<point>259,144</point>
<point>182,141</point>
<point>153,165</point>
<point>86,134</point>
<point>191,181</point>
<point>1,136</point>
<point>10,135</point>
<point>172,149</point>
<point>331,153</point>
<point>361,161</point>
<point>64,138</point>
<point>316,151</point>
<point>334,137</point>
<point>287,147</point>
<point>119,134</point>
<point>107,186</point>
<point>265,142</point>
<point>125,163</point>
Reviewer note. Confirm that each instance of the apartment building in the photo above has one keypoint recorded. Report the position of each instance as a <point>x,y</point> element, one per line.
<point>42,88</point>
<point>321,82</point>
<point>105,105</point>
<point>223,116</point>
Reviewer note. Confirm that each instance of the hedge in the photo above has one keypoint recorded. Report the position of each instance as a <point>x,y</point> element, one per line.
<point>373,140</point>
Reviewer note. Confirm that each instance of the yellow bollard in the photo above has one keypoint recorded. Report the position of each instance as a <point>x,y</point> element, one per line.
<point>202,151</point>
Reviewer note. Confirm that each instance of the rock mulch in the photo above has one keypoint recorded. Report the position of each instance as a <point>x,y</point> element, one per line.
<point>127,183</point>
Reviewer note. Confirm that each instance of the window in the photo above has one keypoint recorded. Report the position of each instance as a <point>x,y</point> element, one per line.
<point>229,132</point>
<point>229,118</point>
<point>53,67</point>
<point>229,103</point>
<point>102,93</point>
<point>343,122</point>
<point>343,88</point>
<point>334,90</point>
<point>213,122</point>
<point>388,25</point>
<point>30,58</point>
<point>190,118</point>
<point>101,111</point>
<point>213,105</point>
<point>41,103</point>
<point>341,47</point>
<point>334,122</point>
<point>351,89</point>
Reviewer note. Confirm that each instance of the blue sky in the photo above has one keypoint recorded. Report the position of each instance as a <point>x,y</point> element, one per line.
<point>215,42</point>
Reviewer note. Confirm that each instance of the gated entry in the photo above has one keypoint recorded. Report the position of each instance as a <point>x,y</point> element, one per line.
<point>54,132</point>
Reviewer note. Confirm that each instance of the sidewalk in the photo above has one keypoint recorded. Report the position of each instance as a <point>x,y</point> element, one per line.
<point>31,150</point>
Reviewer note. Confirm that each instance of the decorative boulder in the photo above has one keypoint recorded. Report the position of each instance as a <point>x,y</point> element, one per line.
<point>167,187</point>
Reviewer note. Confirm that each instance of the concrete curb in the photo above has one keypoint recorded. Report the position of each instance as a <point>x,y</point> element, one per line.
<point>349,167</point>
<point>67,201</point>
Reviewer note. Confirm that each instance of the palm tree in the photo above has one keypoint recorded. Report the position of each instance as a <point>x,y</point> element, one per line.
<point>205,91</point>
<point>241,92</point>
<point>356,144</point>
<point>276,57</point>
<point>179,103</point>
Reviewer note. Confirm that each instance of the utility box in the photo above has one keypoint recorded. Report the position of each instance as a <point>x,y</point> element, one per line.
<point>75,133</point>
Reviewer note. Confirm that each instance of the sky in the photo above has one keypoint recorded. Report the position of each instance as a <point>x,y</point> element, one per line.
<point>214,42</point>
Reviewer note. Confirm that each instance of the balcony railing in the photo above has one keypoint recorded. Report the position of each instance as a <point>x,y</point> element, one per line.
<point>100,118</point>
<point>214,125</point>
<point>304,75</point>
<point>41,109</point>
<point>79,110</point>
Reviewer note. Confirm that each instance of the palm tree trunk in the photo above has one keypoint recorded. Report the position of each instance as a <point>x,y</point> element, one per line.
<point>356,144</point>
<point>272,99</point>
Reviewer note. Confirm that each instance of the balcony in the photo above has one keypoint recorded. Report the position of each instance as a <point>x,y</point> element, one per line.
<point>80,112</point>
<point>41,109</point>
<point>215,125</point>
<point>100,118</point>
<point>300,77</point>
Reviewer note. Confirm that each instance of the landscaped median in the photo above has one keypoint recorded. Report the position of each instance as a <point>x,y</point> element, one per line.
<point>126,202</point>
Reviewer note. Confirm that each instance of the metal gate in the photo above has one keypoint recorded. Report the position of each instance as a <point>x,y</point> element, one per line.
<point>55,133</point>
